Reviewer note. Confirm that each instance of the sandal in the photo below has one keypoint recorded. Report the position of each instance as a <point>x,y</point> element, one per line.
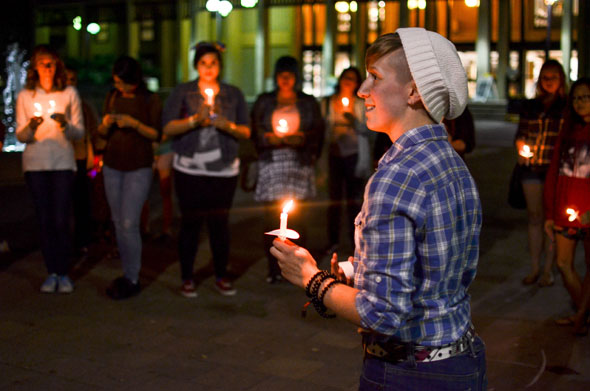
<point>566,321</point>
<point>546,280</point>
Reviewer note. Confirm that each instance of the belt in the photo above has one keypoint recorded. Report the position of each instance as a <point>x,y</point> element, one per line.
<point>397,352</point>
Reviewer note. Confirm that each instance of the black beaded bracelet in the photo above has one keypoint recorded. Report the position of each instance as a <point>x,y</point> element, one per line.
<point>312,291</point>
<point>318,301</point>
<point>315,280</point>
<point>325,290</point>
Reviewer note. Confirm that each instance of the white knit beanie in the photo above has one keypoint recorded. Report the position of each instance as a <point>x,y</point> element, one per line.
<point>437,70</point>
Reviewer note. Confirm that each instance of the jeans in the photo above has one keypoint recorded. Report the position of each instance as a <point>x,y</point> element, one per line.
<point>82,208</point>
<point>126,192</point>
<point>52,196</point>
<point>466,371</point>
<point>204,199</point>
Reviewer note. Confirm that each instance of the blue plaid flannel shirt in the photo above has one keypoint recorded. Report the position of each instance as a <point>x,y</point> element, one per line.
<point>417,242</point>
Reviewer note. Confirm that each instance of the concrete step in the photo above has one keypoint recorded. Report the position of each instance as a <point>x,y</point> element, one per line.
<point>490,110</point>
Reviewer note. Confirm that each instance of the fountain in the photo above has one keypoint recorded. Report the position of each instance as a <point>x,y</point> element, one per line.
<point>16,73</point>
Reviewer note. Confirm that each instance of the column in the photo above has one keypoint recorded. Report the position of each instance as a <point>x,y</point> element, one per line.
<point>404,14</point>
<point>566,37</point>
<point>482,45</point>
<point>261,48</point>
<point>328,47</point>
<point>169,36</point>
<point>132,31</point>
<point>584,39</point>
<point>360,45</point>
<point>430,16</point>
<point>503,49</point>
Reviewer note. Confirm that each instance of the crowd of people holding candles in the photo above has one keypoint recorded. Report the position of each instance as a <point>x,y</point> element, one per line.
<point>299,141</point>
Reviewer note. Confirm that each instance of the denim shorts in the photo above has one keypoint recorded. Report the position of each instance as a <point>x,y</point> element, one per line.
<point>466,371</point>
<point>577,233</point>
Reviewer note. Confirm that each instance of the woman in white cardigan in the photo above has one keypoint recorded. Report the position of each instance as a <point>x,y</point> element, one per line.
<point>49,117</point>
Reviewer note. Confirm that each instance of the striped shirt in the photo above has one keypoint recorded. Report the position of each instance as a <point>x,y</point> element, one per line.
<point>417,242</point>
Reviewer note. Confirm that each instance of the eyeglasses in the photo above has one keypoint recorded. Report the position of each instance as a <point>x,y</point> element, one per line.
<point>581,98</point>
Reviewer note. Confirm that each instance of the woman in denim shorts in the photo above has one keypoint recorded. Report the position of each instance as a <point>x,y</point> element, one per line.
<point>567,201</point>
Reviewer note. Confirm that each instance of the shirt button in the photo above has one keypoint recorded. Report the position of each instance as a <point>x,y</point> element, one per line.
<point>378,279</point>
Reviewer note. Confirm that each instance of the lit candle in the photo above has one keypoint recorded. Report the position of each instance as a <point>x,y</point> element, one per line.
<point>284,215</point>
<point>345,102</point>
<point>525,152</point>
<point>283,232</point>
<point>283,126</point>
<point>210,96</point>
<point>38,109</point>
<point>51,108</point>
<point>573,214</point>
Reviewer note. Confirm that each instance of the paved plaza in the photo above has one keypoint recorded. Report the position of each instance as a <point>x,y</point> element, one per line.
<point>258,340</point>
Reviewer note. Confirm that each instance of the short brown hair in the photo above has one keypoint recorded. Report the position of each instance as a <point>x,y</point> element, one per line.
<point>385,44</point>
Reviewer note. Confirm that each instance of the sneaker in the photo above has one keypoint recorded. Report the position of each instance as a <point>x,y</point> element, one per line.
<point>122,288</point>
<point>65,285</point>
<point>225,287</point>
<point>188,289</point>
<point>50,284</point>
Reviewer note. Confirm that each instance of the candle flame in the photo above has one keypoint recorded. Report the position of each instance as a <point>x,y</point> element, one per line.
<point>573,214</point>
<point>51,108</point>
<point>209,92</point>
<point>345,102</point>
<point>38,109</point>
<point>526,151</point>
<point>283,126</point>
<point>287,206</point>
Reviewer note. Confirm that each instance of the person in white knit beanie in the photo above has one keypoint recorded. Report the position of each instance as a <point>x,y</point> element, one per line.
<point>417,235</point>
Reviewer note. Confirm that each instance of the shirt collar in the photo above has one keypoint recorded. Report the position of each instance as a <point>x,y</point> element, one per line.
<point>412,137</point>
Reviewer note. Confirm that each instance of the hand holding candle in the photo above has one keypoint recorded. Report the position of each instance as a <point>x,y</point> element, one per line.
<point>60,119</point>
<point>37,118</point>
<point>283,232</point>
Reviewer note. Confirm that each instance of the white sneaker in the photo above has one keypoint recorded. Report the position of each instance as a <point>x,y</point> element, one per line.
<point>65,285</point>
<point>50,284</point>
